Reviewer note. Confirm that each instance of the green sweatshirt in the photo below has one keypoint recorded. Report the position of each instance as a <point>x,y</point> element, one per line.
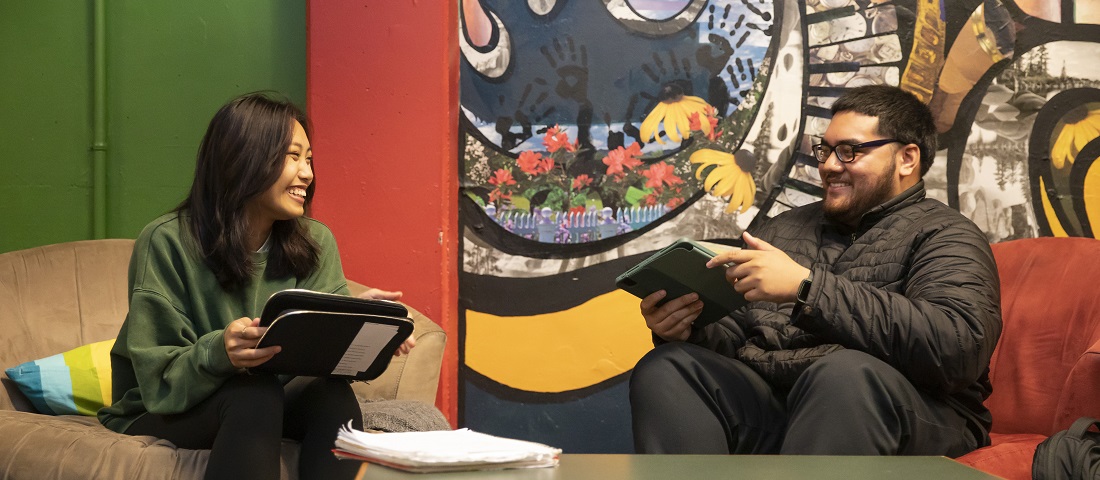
<point>170,354</point>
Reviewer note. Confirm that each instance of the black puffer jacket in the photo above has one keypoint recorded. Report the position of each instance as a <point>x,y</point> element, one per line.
<point>915,285</point>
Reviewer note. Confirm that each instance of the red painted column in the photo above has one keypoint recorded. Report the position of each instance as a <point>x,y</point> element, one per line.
<point>382,91</point>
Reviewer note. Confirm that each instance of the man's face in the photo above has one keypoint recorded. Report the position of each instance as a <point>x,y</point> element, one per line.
<point>851,189</point>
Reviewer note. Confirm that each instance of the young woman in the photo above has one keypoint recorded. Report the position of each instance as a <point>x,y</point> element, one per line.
<point>199,277</point>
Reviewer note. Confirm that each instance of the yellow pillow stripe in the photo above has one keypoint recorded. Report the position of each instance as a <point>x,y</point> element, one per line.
<point>88,389</point>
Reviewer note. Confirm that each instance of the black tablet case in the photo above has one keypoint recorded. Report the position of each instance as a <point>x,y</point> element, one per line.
<point>679,269</point>
<point>315,330</point>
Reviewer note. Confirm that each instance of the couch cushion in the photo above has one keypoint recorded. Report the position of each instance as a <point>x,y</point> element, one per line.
<point>1009,455</point>
<point>1051,318</point>
<point>40,447</point>
<point>77,382</point>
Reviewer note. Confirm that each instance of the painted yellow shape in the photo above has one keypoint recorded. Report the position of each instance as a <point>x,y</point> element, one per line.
<point>1048,210</point>
<point>1092,197</point>
<point>559,351</point>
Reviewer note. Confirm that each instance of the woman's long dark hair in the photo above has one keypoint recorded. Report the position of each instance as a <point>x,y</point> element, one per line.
<point>241,155</point>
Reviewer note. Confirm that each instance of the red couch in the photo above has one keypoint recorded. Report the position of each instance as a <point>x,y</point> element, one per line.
<point>1046,368</point>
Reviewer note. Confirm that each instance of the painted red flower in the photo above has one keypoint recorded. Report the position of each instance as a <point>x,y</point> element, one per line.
<point>497,195</point>
<point>556,139</point>
<point>502,177</point>
<point>581,181</point>
<point>546,165</point>
<point>621,159</point>
<point>529,161</point>
<point>693,122</point>
<point>710,114</point>
<point>660,174</point>
<point>674,202</point>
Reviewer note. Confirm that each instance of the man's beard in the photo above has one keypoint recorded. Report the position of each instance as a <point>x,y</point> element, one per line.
<point>850,212</point>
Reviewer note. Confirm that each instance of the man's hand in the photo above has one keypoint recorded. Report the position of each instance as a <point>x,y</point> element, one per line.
<point>377,294</point>
<point>241,336</point>
<point>671,321</point>
<point>762,272</point>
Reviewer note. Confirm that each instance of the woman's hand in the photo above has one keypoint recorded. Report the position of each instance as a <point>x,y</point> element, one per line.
<point>241,336</point>
<point>377,294</point>
<point>405,347</point>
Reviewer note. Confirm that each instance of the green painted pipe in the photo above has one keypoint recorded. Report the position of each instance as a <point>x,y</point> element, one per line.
<point>99,121</point>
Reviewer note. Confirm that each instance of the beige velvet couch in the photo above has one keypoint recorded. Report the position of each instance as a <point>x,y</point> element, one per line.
<point>58,297</point>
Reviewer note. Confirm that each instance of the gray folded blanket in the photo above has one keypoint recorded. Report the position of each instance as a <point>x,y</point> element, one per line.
<point>402,416</point>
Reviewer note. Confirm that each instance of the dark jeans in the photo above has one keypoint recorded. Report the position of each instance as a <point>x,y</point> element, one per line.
<point>687,399</point>
<point>243,424</point>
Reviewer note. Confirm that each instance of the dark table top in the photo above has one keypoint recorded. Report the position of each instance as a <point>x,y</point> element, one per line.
<point>642,467</point>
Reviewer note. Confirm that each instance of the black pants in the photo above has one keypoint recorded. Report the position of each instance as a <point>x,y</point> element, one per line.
<point>243,424</point>
<point>687,399</point>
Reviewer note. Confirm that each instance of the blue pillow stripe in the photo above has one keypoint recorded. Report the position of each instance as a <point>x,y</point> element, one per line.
<point>57,388</point>
<point>30,383</point>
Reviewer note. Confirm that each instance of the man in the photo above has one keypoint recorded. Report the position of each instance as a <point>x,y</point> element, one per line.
<point>873,318</point>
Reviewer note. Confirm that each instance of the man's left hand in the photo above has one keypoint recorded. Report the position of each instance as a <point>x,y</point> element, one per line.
<point>761,272</point>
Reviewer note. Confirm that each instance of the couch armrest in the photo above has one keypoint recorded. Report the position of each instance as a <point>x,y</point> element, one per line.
<point>1080,391</point>
<point>409,377</point>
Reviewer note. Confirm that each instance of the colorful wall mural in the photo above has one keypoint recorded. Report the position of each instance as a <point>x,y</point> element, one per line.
<point>594,132</point>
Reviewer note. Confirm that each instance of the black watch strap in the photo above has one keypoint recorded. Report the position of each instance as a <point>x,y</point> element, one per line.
<point>803,293</point>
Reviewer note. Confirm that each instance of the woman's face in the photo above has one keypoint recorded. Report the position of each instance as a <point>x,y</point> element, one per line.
<point>286,198</point>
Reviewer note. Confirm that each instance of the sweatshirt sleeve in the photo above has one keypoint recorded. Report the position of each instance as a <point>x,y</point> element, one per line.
<point>175,368</point>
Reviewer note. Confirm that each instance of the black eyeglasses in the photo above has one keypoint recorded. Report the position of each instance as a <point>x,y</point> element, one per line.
<point>847,152</point>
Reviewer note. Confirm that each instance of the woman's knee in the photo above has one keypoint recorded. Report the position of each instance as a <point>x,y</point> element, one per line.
<point>329,396</point>
<point>253,392</point>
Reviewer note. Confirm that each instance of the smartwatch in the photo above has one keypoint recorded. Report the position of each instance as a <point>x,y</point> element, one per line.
<point>804,289</point>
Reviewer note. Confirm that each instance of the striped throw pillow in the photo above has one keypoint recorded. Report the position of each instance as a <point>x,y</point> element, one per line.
<point>77,382</point>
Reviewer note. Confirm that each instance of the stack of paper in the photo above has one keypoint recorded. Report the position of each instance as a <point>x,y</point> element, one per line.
<point>443,451</point>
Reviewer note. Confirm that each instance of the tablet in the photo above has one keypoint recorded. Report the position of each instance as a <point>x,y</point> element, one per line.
<point>329,335</point>
<point>300,299</point>
<point>679,269</point>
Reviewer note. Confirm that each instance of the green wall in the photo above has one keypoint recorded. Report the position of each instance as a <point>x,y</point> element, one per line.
<point>170,65</point>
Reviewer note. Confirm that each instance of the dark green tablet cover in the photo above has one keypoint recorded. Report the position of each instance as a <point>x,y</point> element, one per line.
<point>679,269</point>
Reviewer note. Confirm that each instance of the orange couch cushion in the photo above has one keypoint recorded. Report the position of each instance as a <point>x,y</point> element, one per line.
<point>1008,457</point>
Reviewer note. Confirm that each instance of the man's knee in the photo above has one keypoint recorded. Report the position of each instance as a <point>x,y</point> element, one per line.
<point>843,364</point>
<point>845,376</point>
<point>662,366</point>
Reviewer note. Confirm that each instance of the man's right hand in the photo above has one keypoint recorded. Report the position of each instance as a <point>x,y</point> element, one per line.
<point>671,321</point>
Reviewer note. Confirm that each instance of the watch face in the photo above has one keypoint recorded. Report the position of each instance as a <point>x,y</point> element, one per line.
<point>803,290</point>
<point>847,28</point>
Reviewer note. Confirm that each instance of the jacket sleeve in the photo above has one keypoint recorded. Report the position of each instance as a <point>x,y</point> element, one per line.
<point>938,327</point>
<point>724,336</point>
